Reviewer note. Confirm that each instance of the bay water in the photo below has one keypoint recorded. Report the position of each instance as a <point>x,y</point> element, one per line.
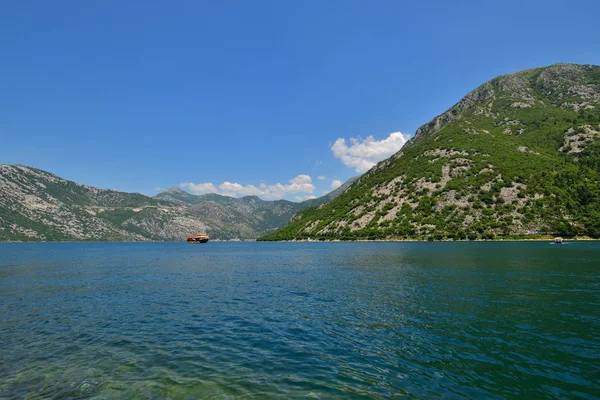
<point>299,320</point>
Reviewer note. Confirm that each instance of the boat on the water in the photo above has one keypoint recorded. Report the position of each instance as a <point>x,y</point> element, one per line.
<point>558,240</point>
<point>199,238</point>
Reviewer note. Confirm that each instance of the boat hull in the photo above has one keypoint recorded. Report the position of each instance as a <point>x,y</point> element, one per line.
<point>198,241</point>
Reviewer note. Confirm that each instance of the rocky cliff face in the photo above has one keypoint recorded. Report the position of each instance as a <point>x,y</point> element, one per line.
<point>519,155</point>
<point>36,205</point>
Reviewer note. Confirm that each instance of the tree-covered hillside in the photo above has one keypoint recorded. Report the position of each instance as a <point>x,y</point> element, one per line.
<point>518,156</point>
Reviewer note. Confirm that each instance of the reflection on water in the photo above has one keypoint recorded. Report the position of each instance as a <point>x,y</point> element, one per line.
<point>285,320</point>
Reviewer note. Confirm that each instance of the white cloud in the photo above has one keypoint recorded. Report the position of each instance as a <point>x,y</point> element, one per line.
<point>336,183</point>
<point>301,179</point>
<point>199,188</point>
<point>364,154</point>
<point>321,177</point>
<point>299,184</point>
<point>302,198</point>
<point>235,189</point>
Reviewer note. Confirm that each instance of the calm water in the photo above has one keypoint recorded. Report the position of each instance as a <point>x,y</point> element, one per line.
<point>297,320</point>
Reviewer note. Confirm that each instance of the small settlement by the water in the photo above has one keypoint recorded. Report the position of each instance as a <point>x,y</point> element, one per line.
<point>199,238</point>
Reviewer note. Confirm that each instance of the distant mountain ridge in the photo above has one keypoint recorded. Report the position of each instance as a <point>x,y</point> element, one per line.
<point>177,195</point>
<point>250,214</point>
<point>517,156</point>
<point>38,205</point>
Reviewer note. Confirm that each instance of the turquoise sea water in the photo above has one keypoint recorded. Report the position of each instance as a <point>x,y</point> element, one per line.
<point>299,320</point>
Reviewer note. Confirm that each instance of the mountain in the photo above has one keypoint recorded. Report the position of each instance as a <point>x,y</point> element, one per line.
<point>518,156</point>
<point>329,196</point>
<point>249,203</point>
<point>37,205</point>
<point>176,195</point>
<point>244,217</point>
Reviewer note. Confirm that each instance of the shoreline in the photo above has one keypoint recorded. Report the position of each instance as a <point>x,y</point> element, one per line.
<point>537,239</point>
<point>429,241</point>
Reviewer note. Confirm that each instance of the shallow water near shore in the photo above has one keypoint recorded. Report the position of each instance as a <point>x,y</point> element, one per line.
<point>297,320</point>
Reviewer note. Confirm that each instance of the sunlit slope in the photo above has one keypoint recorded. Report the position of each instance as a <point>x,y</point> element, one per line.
<point>36,205</point>
<point>245,217</point>
<point>519,155</point>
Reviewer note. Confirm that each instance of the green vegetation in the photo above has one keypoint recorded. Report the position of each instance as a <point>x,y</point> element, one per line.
<point>518,157</point>
<point>38,206</point>
<point>246,217</point>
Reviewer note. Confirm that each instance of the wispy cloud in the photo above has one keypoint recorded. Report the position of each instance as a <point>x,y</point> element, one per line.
<point>321,178</point>
<point>302,198</point>
<point>362,154</point>
<point>336,183</point>
<point>199,188</point>
<point>301,184</point>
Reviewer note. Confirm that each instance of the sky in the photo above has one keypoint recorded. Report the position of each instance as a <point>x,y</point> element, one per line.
<point>280,99</point>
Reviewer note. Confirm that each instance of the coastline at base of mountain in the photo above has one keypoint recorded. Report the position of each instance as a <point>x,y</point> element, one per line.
<point>519,154</point>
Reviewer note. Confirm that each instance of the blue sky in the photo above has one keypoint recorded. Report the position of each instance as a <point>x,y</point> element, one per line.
<point>254,96</point>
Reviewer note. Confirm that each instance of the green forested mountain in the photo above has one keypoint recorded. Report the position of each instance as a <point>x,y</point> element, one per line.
<point>37,205</point>
<point>518,156</point>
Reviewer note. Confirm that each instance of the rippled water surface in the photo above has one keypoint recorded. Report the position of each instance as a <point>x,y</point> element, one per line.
<point>296,320</point>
